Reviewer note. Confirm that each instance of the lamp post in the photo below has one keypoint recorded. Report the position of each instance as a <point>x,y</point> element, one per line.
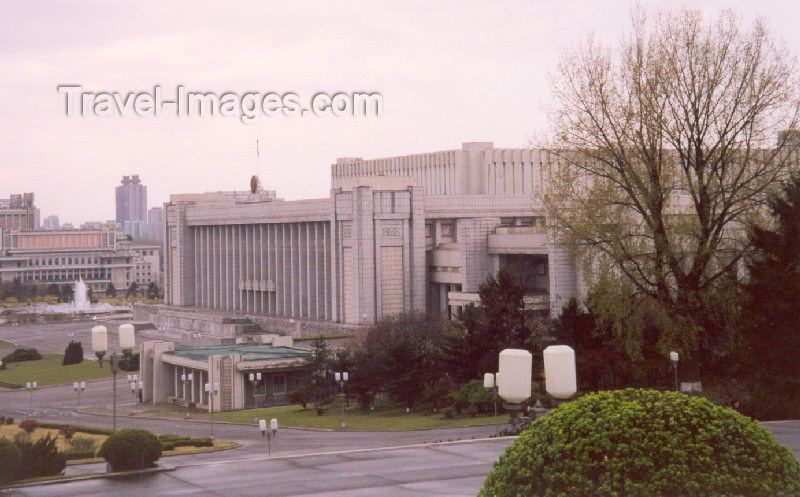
<point>79,387</point>
<point>187,378</point>
<point>489,383</point>
<point>255,379</point>
<point>212,389</point>
<point>127,341</point>
<point>269,433</point>
<point>341,379</point>
<point>31,387</point>
<point>674,358</point>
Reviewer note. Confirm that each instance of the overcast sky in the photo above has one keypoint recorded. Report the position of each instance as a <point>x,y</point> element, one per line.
<point>449,72</point>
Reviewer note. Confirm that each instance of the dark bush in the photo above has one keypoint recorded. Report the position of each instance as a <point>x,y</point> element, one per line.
<point>67,431</point>
<point>28,425</point>
<point>9,421</point>
<point>10,457</point>
<point>73,354</point>
<point>131,449</point>
<point>21,355</point>
<point>166,446</point>
<point>301,396</point>
<point>644,443</point>
<point>40,458</point>
<point>449,412</point>
<point>129,362</point>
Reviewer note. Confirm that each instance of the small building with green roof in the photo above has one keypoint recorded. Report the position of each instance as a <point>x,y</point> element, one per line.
<point>243,375</point>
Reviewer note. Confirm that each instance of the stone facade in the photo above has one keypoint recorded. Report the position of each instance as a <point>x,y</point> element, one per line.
<point>401,234</point>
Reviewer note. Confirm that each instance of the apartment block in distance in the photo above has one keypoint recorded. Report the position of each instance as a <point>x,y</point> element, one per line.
<point>19,212</point>
<point>64,256</point>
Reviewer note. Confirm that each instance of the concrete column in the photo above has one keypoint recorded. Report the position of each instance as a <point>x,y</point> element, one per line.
<point>237,383</point>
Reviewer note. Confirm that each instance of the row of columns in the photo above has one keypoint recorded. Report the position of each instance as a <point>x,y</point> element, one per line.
<point>191,391</point>
<point>281,268</point>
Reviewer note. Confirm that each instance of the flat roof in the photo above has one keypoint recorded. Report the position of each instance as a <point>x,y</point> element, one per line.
<point>250,352</point>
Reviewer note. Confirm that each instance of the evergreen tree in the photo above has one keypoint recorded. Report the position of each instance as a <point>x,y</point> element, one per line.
<point>770,336</point>
<point>73,353</point>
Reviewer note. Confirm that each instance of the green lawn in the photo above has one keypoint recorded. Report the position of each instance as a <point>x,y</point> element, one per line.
<point>383,420</point>
<point>3,343</point>
<point>49,371</point>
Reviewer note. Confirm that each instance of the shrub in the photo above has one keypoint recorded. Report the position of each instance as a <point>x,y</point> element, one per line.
<point>9,421</point>
<point>179,441</point>
<point>301,396</point>
<point>471,394</point>
<point>73,354</point>
<point>10,457</point>
<point>40,458</point>
<point>131,449</point>
<point>28,425</point>
<point>79,428</point>
<point>472,410</point>
<point>20,355</point>
<point>129,362</point>
<point>165,446</point>
<point>644,443</point>
<point>67,431</point>
<point>449,412</point>
<point>82,444</point>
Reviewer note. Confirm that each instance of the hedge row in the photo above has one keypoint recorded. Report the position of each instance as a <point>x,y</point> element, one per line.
<point>92,430</point>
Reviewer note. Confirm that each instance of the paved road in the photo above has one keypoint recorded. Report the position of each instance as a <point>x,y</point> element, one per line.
<point>438,470</point>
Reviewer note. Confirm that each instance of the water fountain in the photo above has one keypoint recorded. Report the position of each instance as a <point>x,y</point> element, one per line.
<point>80,301</point>
<point>80,304</point>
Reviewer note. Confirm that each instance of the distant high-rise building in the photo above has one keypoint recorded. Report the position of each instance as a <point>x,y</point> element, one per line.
<point>51,222</point>
<point>155,223</point>
<point>19,212</point>
<point>131,203</point>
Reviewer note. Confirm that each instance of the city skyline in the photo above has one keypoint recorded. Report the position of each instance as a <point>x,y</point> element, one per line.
<point>445,63</point>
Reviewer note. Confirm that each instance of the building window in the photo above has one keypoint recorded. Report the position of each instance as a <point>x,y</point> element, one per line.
<point>261,388</point>
<point>428,230</point>
<point>448,230</point>
<point>279,384</point>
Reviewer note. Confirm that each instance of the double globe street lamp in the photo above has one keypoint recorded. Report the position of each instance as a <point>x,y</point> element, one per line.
<point>187,378</point>
<point>212,389</point>
<point>341,379</point>
<point>127,342</point>
<point>79,388</point>
<point>268,433</point>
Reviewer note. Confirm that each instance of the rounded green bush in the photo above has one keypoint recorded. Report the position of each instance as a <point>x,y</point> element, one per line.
<point>644,443</point>
<point>131,449</point>
<point>10,457</point>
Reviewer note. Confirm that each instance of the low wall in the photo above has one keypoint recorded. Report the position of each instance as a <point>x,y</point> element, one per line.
<point>207,326</point>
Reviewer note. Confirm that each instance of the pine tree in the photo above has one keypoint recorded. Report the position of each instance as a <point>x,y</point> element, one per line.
<point>770,336</point>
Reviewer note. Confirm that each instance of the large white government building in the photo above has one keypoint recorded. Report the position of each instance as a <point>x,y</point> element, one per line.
<point>409,233</point>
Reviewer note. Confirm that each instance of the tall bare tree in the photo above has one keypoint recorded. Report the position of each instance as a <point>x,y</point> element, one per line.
<point>663,150</point>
